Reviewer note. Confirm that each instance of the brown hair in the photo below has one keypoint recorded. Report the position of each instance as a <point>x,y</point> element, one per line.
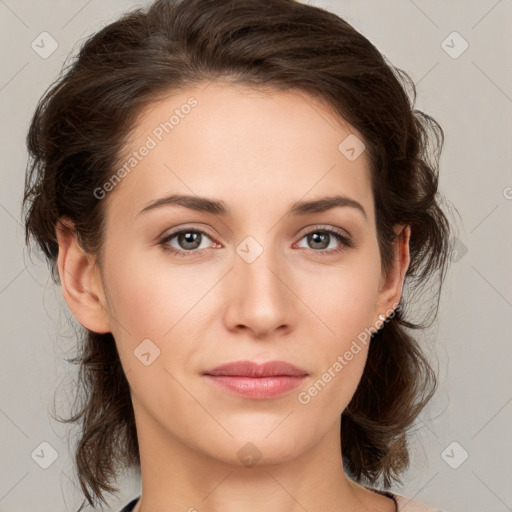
<point>83,120</point>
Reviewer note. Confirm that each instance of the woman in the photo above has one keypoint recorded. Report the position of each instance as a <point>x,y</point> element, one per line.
<point>233,196</point>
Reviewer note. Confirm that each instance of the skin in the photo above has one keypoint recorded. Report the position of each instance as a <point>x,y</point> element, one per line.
<point>258,152</point>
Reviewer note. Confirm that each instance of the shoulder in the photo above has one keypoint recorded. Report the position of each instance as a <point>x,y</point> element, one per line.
<point>406,504</point>
<point>403,503</point>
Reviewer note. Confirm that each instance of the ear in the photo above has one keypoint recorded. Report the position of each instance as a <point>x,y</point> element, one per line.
<point>81,281</point>
<point>391,286</point>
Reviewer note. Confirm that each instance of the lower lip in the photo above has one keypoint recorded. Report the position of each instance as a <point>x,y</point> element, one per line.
<point>257,387</point>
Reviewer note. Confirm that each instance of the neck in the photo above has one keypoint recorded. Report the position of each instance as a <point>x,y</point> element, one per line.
<point>179,477</point>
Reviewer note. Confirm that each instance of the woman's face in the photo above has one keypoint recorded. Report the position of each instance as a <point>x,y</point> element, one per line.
<point>247,283</point>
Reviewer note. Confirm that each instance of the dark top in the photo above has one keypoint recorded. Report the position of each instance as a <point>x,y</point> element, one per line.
<point>131,505</point>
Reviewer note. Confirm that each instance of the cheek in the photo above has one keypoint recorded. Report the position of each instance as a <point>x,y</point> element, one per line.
<point>342,297</point>
<point>340,356</point>
<point>147,296</point>
<point>342,301</point>
<point>151,299</point>
<point>150,305</point>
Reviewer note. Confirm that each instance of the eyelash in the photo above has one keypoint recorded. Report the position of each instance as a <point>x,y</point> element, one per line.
<point>346,242</point>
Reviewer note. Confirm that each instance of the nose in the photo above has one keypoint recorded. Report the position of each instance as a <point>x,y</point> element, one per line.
<point>259,297</point>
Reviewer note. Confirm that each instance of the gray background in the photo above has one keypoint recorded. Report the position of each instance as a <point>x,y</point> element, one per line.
<point>471,97</point>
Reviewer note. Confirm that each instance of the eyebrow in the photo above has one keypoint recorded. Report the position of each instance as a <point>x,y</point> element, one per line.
<point>218,207</point>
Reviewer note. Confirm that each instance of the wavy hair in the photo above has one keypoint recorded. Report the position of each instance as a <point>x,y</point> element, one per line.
<point>83,120</point>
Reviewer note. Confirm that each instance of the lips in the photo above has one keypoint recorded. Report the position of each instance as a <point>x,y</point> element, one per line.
<point>251,369</point>
<point>256,381</point>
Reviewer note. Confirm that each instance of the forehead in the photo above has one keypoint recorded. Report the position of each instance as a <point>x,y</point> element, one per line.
<point>246,146</point>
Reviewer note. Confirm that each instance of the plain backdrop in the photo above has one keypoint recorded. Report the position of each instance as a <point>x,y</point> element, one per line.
<point>459,55</point>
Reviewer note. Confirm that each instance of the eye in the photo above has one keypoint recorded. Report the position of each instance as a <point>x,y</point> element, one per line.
<point>320,238</point>
<point>189,241</point>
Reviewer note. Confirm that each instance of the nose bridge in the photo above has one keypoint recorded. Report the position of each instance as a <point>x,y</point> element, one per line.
<point>254,263</point>
<point>257,295</point>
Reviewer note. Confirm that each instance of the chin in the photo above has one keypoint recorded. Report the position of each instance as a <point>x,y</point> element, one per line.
<point>256,450</point>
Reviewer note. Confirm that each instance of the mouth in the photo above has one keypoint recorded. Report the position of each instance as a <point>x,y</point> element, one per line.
<point>257,381</point>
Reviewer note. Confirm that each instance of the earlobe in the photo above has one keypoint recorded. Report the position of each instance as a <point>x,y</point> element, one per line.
<point>80,280</point>
<point>390,291</point>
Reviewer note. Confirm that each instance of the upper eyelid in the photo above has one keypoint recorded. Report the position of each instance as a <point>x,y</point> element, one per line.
<point>173,233</point>
<point>325,227</point>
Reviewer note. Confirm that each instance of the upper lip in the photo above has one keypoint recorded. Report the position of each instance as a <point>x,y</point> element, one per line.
<point>252,369</point>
